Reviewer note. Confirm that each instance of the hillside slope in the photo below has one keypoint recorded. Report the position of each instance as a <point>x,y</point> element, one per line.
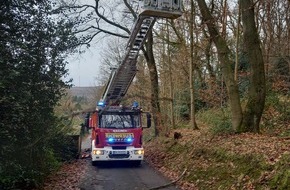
<point>244,161</point>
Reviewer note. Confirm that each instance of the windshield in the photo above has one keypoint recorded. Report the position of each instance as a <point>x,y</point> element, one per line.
<point>120,121</point>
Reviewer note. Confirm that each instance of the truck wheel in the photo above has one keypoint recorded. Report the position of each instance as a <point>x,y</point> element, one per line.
<point>94,163</point>
<point>97,163</point>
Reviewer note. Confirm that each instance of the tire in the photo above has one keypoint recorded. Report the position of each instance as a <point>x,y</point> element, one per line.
<point>98,163</point>
<point>95,163</point>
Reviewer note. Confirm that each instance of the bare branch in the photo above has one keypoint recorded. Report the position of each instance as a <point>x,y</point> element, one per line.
<point>176,31</point>
<point>91,38</point>
<point>130,9</point>
<point>107,20</point>
<point>67,7</point>
<point>84,30</point>
<point>112,33</point>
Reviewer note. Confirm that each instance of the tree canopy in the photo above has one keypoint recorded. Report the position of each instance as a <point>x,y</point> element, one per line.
<point>33,46</point>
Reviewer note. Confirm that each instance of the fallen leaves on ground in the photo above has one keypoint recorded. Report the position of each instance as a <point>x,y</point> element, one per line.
<point>158,152</point>
<point>67,177</point>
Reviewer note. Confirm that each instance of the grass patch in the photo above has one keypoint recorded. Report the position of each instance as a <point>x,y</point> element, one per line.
<point>281,177</point>
<point>176,148</point>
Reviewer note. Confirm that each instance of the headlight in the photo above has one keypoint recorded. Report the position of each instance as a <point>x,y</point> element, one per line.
<point>139,152</point>
<point>98,152</point>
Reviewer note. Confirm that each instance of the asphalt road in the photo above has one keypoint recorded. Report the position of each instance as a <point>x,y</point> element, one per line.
<point>121,176</point>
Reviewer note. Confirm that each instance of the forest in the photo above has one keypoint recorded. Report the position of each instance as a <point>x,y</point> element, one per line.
<point>223,64</point>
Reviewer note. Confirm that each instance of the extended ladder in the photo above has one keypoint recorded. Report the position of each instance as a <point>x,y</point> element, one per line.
<point>122,76</point>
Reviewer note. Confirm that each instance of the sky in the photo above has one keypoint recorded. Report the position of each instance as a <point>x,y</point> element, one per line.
<point>84,68</point>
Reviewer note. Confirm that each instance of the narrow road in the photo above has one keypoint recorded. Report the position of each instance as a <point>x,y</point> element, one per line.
<point>121,176</point>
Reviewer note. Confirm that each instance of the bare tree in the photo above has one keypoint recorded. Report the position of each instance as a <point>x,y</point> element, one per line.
<point>192,69</point>
<point>224,57</point>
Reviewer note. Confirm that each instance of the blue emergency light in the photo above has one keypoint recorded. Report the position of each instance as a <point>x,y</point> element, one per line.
<point>135,104</point>
<point>101,103</point>
<point>111,139</point>
<point>129,139</point>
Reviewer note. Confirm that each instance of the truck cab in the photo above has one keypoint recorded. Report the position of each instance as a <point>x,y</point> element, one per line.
<point>117,134</point>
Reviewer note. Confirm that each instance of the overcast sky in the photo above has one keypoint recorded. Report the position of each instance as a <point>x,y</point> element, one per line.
<point>84,68</point>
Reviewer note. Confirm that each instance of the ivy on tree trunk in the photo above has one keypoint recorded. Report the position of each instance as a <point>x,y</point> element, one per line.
<point>257,89</point>
<point>149,56</point>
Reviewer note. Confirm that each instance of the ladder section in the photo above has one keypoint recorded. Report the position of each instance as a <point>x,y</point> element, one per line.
<point>139,34</point>
<point>122,77</point>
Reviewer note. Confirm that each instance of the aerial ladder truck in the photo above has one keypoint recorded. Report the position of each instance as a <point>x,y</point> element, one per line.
<point>117,130</point>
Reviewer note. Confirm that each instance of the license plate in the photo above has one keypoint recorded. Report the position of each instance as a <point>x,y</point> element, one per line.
<point>119,152</point>
<point>119,135</point>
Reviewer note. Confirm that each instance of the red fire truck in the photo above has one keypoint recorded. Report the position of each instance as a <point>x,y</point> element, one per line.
<point>117,133</point>
<point>117,130</point>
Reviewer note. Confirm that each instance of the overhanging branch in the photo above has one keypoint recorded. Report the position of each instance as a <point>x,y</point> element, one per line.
<point>107,20</point>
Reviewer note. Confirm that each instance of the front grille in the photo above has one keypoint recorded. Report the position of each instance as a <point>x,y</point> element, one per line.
<point>119,155</point>
<point>119,142</point>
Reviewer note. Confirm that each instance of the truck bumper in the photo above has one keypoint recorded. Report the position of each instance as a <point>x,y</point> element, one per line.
<point>109,154</point>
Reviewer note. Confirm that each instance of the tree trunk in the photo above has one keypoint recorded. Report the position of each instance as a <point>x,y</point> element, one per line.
<point>170,77</point>
<point>149,56</point>
<point>237,44</point>
<point>256,99</point>
<point>191,72</point>
<point>224,57</point>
